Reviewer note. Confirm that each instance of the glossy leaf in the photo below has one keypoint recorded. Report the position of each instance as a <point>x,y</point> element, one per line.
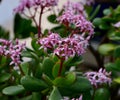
<point>106,49</point>
<point>68,80</point>
<point>80,85</point>
<point>55,69</point>
<point>25,67</point>
<point>117,52</point>
<point>55,94</point>
<point>52,19</point>
<point>33,84</point>
<point>4,77</point>
<point>107,12</point>
<point>23,27</point>
<point>47,66</point>
<point>13,90</point>
<point>117,80</point>
<point>102,94</point>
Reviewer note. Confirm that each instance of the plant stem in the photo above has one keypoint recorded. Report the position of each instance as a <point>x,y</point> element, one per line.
<point>40,19</point>
<point>22,73</point>
<point>61,66</point>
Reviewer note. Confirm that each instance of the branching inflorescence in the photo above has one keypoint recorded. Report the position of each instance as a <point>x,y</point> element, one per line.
<point>11,50</point>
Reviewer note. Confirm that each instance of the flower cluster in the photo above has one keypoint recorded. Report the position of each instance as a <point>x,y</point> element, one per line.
<point>34,3</point>
<point>98,78</point>
<point>11,50</point>
<point>75,7</point>
<point>71,16</point>
<point>49,42</point>
<point>89,2</point>
<point>64,47</point>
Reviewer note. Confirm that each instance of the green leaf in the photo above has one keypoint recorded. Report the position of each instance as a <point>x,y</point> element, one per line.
<point>23,27</point>
<point>25,68</point>
<point>35,45</point>
<point>55,69</point>
<point>102,94</point>
<point>104,26</point>
<point>114,35</point>
<point>13,90</point>
<point>33,84</point>
<point>107,12</point>
<point>4,77</point>
<point>95,12</point>
<point>68,80</point>
<point>47,66</point>
<point>117,80</point>
<point>52,19</point>
<point>117,52</point>
<point>38,72</point>
<point>55,94</point>
<point>97,21</point>
<point>36,96</point>
<point>106,49</point>
<point>80,85</point>
<point>4,33</point>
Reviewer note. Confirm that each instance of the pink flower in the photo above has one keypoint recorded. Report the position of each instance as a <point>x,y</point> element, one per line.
<point>50,41</point>
<point>23,4</point>
<point>98,78</point>
<point>81,24</point>
<point>46,3</point>
<point>71,46</point>
<point>11,50</point>
<point>117,24</point>
<point>75,7</point>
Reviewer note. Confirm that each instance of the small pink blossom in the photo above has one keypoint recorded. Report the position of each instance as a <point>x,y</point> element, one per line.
<point>98,78</point>
<point>50,41</point>
<point>75,7</point>
<point>71,46</point>
<point>11,50</point>
<point>117,24</point>
<point>80,22</point>
<point>23,4</point>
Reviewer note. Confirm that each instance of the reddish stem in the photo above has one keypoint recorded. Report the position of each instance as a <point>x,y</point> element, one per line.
<point>61,66</point>
<point>40,19</point>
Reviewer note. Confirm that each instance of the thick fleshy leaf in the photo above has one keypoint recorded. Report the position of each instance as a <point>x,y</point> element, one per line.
<point>13,90</point>
<point>55,94</point>
<point>35,45</point>
<point>25,67</point>
<point>4,77</point>
<point>117,52</point>
<point>80,85</point>
<point>68,80</point>
<point>97,21</point>
<point>117,80</point>
<point>106,49</point>
<point>55,69</point>
<point>52,19</point>
<point>107,12</point>
<point>102,94</point>
<point>36,96</point>
<point>23,27</point>
<point>33,84</point>
<point>47,66</point>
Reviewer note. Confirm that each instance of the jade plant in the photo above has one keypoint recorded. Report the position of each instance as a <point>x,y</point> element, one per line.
<point>45,71</point>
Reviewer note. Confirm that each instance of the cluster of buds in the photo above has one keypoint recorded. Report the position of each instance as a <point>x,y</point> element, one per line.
<point>74,15</point>
<point>11,50</point>
<point>64,47</point>
<point>98,78</point>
